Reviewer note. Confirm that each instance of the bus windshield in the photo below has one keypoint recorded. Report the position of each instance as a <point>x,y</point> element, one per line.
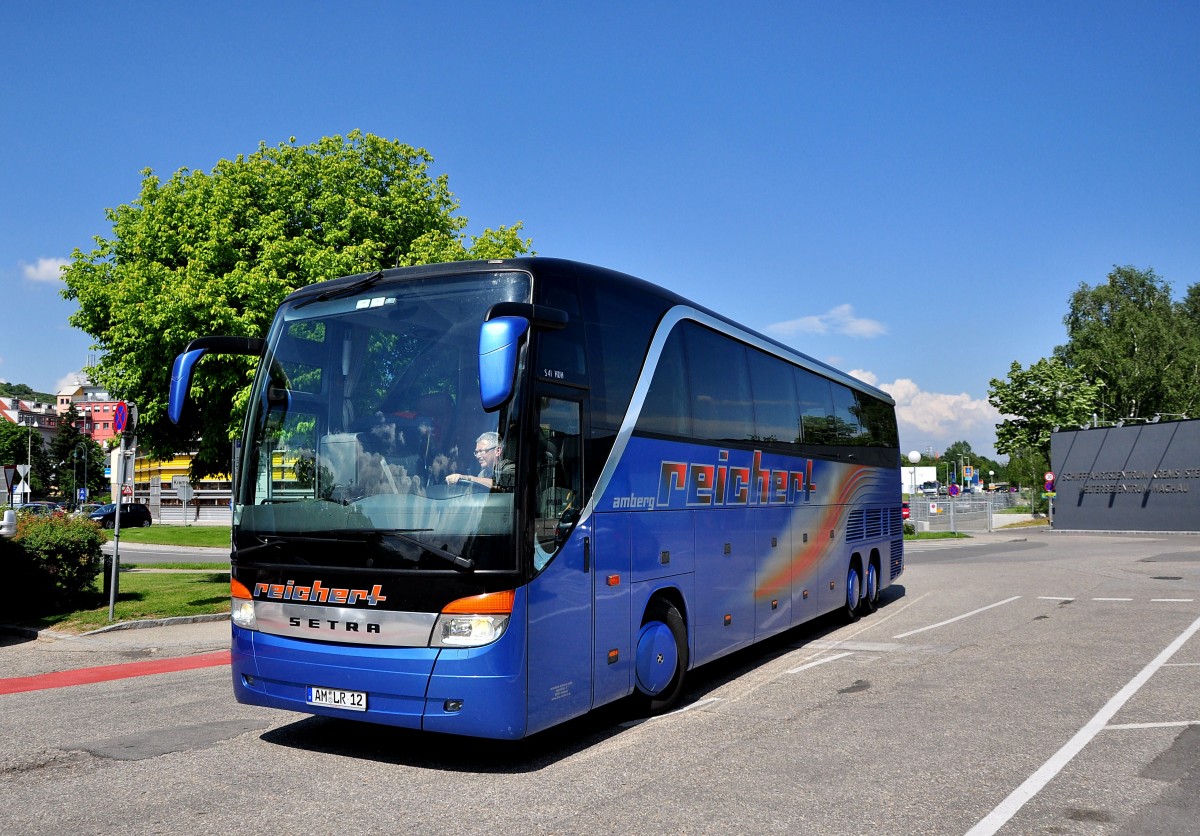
<point>366,427</point>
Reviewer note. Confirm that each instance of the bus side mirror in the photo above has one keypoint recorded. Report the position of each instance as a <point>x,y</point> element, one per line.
<point>499,348</point>
<point>181,381</point>
<point>181,369</point>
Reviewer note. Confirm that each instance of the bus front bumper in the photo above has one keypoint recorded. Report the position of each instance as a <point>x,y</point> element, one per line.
<point>478,692</point>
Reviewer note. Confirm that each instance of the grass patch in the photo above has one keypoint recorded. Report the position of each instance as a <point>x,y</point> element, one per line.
<point>204,536</point>
<point>148,595</point>
<point>1041,522</point>
<point>937,535</point>
<point>127,563</point>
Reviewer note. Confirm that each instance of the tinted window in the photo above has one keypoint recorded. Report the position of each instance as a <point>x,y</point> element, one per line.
<point>845,411</point>
<point>776,413</point>
<point>667,408</point>
<point>722,407</point>
<point>619,335</point>
<point>561,351</point>
<point>816,408</point>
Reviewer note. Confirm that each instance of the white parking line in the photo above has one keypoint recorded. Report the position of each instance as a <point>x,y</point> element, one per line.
<point>957,618</point>
<point>1137,726</point>
<point>1007,808</point>
<point>820,662</point>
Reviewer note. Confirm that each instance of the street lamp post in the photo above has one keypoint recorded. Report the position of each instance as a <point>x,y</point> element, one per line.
<point>31,425</point>
<point>85,469</point>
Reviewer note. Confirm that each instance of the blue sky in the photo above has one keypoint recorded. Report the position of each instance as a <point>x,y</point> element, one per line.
<point>909,191</point>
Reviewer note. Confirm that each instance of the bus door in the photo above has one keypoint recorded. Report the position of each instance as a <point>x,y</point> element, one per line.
<point>560,597</point>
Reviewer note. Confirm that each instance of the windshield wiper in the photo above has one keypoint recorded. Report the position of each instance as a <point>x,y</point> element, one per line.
<point>274,541</point>
<point>402,534</point>
<point>345,290</point>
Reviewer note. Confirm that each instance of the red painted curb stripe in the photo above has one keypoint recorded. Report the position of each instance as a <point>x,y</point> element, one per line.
<point>105,673</point>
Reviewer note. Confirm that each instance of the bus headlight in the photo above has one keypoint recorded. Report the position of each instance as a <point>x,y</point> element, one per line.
<point>473,621</point>
<point>468,630</point>
<point>243,614</point>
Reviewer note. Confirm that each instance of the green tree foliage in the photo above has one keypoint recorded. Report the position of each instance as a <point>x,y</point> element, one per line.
<point>215,252</point>
<point>1034,401</point>
<point>21,390</point>
<point>1026,469</point>
<point>17,444</point>
<point>1131,339</point>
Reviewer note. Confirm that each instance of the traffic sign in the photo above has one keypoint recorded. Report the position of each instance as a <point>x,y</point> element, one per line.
<point>1049,477</point>
<point>127,490</point>
<point>120,417</point>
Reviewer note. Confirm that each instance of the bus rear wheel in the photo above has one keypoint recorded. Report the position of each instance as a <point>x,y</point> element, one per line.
<point>661,658</point>
<point>853,592</point>
<point>870,597</point>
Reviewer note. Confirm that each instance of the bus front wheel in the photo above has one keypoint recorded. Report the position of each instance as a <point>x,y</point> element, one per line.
<point>661,658</point>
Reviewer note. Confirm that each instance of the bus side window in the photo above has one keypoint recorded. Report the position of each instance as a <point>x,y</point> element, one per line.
<point>559,466</point>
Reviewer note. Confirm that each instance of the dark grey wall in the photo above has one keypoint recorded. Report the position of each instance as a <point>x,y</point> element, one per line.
<point>1142,477</point>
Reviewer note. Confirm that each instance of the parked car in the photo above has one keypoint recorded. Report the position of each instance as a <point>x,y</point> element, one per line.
<point>904,511</point>
<point>42,508</point>
<point>133,515</point>
<point>86,509</point>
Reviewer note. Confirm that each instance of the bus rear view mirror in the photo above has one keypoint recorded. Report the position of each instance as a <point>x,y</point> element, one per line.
<point>181,369</point>
<point>499,347</point>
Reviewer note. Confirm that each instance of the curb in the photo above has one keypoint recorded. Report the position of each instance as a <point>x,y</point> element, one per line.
<point>49,633</point>
<point>157,622</point>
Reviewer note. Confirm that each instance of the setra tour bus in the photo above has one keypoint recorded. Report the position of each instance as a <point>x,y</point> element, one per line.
<point>482,498</point>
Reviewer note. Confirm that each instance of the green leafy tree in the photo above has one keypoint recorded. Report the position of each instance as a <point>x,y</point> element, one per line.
<point>1034,401</point>
<point>215,252</point>
<point>1026,469</point>
<point>17,445</point>
<point>1127,336</point>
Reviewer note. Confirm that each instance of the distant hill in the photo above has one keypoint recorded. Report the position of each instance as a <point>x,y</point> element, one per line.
<point>20,390</point>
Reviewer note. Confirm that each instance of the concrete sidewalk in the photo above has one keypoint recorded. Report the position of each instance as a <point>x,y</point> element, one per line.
<point>26,652</point>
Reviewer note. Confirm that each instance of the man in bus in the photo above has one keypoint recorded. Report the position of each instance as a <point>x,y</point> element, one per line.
<point>496,473</point>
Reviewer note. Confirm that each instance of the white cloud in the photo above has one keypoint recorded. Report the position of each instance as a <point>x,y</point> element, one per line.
<point>45,270</point>
<point>839,320</point>
<point>936,420</point>
<point>70,381</point>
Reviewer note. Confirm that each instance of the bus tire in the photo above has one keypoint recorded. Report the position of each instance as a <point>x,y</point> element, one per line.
<point>660,658</point>
<point>870,596</point>
<point>853,592</point>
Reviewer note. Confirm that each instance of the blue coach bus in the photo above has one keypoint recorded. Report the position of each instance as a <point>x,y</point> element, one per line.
<point>482,498</point>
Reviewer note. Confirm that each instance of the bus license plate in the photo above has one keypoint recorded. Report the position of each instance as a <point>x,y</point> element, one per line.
<point>337,698</point>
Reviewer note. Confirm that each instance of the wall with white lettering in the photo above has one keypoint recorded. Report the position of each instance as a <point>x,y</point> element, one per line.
<point>1140,477</point>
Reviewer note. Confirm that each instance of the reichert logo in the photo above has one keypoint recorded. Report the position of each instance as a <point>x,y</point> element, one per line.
<point>698,485</point>
<point>318,593</point>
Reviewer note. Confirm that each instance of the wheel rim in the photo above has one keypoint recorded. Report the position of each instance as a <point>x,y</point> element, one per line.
<point>657,658</point>
<point>872,582</point>
<point>852,589</point>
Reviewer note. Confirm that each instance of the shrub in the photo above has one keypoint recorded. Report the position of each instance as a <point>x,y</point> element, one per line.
<point>53,560</point>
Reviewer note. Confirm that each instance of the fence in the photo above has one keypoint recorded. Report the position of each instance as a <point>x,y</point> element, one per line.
<point>966,512</point>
